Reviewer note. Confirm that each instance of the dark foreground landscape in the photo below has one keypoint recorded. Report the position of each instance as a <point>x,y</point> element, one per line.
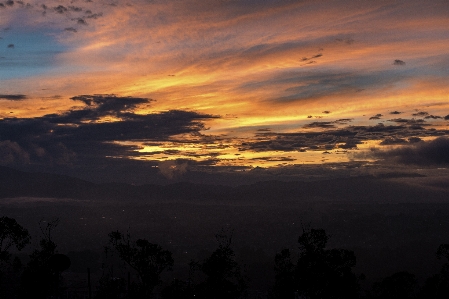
<point>393,224</point>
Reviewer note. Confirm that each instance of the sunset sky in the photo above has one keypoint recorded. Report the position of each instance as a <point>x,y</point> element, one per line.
<point>221,84</point>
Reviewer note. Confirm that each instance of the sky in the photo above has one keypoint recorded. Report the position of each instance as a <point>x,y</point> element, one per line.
<point>124,87</point>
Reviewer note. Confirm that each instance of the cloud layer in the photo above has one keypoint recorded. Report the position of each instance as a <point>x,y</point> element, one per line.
<point>435,152</point>
<point>90,135</point>
<point>275,82</point>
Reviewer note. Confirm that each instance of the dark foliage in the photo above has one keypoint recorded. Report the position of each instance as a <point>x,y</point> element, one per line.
<point>40,279</point>
<point>437,286</point>
<point>318,273</point>
<point>314,272</point>
<point>224,278</point>
<point>400,285</point>
<point>284,276</point>
<point>12,234</point>
<point>147,259</point>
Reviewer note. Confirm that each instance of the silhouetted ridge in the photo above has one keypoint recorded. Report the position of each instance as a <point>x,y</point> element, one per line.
<point>14,183</point>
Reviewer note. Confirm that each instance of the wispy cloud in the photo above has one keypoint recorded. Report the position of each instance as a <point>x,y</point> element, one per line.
<point>13,97</point>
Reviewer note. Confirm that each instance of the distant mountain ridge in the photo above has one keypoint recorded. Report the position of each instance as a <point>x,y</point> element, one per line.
<point>15,183</point>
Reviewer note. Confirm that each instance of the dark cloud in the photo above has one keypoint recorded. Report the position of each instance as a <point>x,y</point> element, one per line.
<point>413,122</point>
<point>2,5</point>
<point>309,59</point>
<point>392,140</point>
<point>377,116</point>
<point>320,124</point>
<point>420,114</point>
<point>326,112</point>
<point>98,106</point>
<point>395,112</point>
<point>446,117</point>
<point>13,97</point>
<point>421,153</point>
<point>414,139</point>
<point>81,21</point>
<point>71,29</point>
<point>301,141</point>
<point>94,16</point>
<point>328,124</point>
<point>398,62</point>
<point>60,9</point>
<point>343,120</point>
<point>74,8</point>
<point>348,137</point>
<point>351,144</point>
<point>274,159</point>
<point>433,117</point>
<point>9,3</point>
<point>11,46</point>
<point>86,137</point>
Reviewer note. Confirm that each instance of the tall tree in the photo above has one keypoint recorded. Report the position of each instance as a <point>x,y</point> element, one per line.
<point>12,234</point>
<point>284,269</point>
<point>147,259</point>
<point>437,286</point>
<point>319,272</point>
<point>324,273</point>
<point>400,285</point>
<point>224,277</point>
<point>38,279</point>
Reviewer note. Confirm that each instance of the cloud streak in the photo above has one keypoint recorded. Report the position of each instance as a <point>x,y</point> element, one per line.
<point>13,97</point>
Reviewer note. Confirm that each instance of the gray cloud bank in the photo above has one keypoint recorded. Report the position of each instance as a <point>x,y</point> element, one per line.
<point>86,136</point>
<point>347,137</point>
<point>420,153</point>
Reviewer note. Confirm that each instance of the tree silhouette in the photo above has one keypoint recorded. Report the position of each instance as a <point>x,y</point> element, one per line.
<point>437,286</point>
<point>12,234</point>
<point>147,259</point>
<point>324,273</point>
<point>400,285</point>
<point>224,278</point>
<point>181,289</point>
<point>111,287</point>
<point>38,279</point>
<point>284,270</point>
<point>319,272</point>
